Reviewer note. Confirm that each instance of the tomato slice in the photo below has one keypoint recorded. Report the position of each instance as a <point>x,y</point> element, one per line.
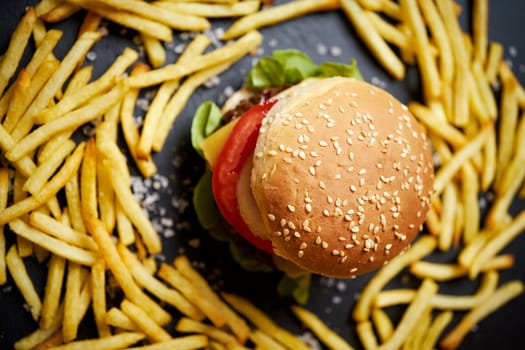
<point>234,153</point>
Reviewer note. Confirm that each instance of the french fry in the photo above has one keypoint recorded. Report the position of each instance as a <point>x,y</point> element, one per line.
<point>496,242</point>
<point>153,118</point>
<point>460,83</point>
<point>275,14</point>
<point>122,274</point>
<point>117,341</point>
<point>412,314</point>
<point>450,199</point>
<point>483,84</point>
<point>25,165</point>
<point>188,325</point>
<point>501,296</point>
<point>45,170</point>
<point>446,172</point>
<point>415,337</point>
<point>162,105</point>
<point>495,56</point>
<point>377,45</point>
<point>509,183</point>
<point>24,247</point>
<point>154,50</point>
<point>40,56</point>
<point>441,301</point>
<point>209,10</point>
<point>18,272</point>
<point>508,122</point>
<point>4,194</point>
<point>435,329</point>
<point>124,227</point>
<point>327,336</point>
<point>78,81</point>
<point>97,87</point>
<point>69,121</point>
<point>74,206</point>
<point>382,324</point>
<point>45,6</point>
<point>56,246</point>
<point>480,14</point>
<point>176,280</point>
<point>90,23</point>
<point>40,335</point>
<point>60,13</point>
<point>52,292</point>
<point>179,99</point>
<point>116,318</point>
<point>365,332</point>
<point>264,341</point>
<point>19,95</point>
<point>441,39</point>
<point>74,281</point>
<point>127,19</point>
<point>62,231</point>
<point>146,324</point>
<point>173,19</point>
<point>88,182</point>
<point>47,192</point>
<point>233,52</point>
<point>507,75</point>
<point>55,82</point>
<point>196,341</point>
<point>431,80</point>
<point>105,195</point>
<point>111,153</point>
<point>134,212</point>
<point>419,249</point>
<point>154,286</point>
<point>234,321</point>
<point>391,33</point>
<point>262,321</point>
<point>441,127</point>
<point>470,189</point>
<point>54,340</point>
<point>16,47</point>
<point>129,128</point>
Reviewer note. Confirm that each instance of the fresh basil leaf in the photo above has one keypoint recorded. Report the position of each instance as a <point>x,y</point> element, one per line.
<point>332,69</point>
<point>297,288</point>
<point>206,120</point>
<point>204,204</point>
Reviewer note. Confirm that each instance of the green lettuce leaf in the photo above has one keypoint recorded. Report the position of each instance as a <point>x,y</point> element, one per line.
<point>207,212</point>
<point>206,120</point>
<point>288,67</point>
<point>298,288</point>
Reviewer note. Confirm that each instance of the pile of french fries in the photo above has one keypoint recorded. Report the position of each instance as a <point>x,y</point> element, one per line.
<point>100,227</point>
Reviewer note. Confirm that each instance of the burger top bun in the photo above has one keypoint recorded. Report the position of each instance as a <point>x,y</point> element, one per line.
<point>342,175</point>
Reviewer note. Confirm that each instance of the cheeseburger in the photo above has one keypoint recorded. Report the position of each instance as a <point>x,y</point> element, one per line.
<point>331,176</point>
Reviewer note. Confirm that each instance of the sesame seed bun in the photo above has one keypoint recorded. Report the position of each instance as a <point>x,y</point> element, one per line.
<point>342,176</point>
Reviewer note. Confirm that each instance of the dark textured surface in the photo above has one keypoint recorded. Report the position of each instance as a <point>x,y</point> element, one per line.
<point>325,36</point>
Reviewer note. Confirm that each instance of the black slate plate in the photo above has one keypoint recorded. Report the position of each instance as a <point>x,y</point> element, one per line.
<point>324,36</point>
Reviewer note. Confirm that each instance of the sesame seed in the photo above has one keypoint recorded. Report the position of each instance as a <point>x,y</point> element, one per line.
<point>271,217</point>
<point>291,208</point>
